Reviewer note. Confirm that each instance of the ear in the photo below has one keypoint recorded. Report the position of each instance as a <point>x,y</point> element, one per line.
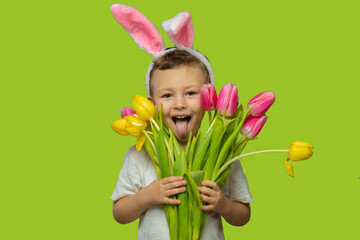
<point>140,28</point>
<point>180,30</point>
<point>151,99</point>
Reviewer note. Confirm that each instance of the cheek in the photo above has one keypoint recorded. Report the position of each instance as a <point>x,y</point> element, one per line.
<point>165,107</point>
<point>196,107</point>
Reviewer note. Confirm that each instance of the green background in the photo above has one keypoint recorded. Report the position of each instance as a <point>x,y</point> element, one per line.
<point>67,67</point>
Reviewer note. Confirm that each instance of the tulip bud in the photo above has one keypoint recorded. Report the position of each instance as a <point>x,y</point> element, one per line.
<point>125,111</point>
<point>297,151</point>
<point>261,103</point>
<point>228,100</point>
<point>252,126</point>
<point>300,151</point>
<point>134,125</point>
<point>143,107</point>
<point>208,97</point>
<point>119,126</point>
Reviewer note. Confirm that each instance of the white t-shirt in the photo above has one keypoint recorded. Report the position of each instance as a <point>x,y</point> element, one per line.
<point>138,172</point>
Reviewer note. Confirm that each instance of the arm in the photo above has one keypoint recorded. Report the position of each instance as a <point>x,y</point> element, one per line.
<point>129,208</point>
<point>234,212</point>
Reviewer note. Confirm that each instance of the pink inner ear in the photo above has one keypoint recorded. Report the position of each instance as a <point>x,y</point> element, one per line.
<point>180,30</point>
<point>139,27</point>
<point>184,32</point>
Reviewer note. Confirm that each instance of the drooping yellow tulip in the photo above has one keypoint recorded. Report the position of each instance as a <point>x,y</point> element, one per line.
<point>143,107</point>
<point>134,125</point>
<point>140,142</point>
<point>298,151</point>
<point>119,126</point>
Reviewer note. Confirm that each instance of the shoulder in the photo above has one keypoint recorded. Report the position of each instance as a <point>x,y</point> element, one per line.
<point>139,163</point>
<point>136,157</point>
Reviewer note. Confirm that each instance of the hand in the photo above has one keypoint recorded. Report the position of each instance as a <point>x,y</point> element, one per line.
<point>160,191</point>
<point>212,195</point>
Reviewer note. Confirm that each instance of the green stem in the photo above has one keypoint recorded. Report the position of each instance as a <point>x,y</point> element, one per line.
<point>239,141</point>
<point>155,124</point>
<point>171,156</point>
<point>248,154</point>
<point>213,121</point>
<point>150,140</point>
<point>210,120</point>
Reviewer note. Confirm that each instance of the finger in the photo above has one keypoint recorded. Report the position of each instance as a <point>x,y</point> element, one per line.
<point>175,191</point>
<point>211,184</point>
<point>207,191</point>
<point>175,184</point>
<point>207,207</point>
<point>171,201</point>
<point>171,179</point>
<point>207,199</point>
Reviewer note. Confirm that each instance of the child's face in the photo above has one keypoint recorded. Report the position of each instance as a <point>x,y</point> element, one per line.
<point>178,90</point>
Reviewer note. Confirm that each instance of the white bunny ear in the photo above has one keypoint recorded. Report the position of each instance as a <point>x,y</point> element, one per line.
<point>180,30</point>
<point>140,28</point>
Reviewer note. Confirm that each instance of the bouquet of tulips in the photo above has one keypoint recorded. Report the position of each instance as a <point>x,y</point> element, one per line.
<point>206,156</point>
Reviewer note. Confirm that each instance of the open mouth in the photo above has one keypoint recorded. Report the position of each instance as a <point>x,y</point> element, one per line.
<point>181,118</point>
<point>181,123</point>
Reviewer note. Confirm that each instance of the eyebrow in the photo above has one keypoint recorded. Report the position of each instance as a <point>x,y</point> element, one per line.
<point>170,89</point>
<point>165,89</point>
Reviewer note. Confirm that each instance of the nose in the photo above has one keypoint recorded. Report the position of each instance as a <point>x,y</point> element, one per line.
<point>180,102</point>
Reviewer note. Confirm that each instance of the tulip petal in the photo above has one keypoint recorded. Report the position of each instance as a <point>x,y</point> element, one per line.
<point>289,167</point>
<point>253,126</point>
<point>261,103</point>
<point>140,142</point>
<point>205,99</point>
<point>300,151</point>
<point>135,125</point>
<point>234,101</point>
<point>227,100</point>
<point>119,126</point>
<point>125,111</point>
<point>143,107</point>
<point>302,144</point>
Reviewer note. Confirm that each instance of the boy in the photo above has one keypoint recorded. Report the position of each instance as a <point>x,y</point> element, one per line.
<point>175,82</point>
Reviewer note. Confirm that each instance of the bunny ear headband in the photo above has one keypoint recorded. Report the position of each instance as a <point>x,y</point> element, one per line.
<point>179,29</point>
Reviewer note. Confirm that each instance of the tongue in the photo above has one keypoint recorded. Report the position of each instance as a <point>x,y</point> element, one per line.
<point>181,127</point>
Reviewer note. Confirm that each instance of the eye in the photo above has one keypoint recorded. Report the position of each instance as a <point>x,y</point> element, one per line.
<point>166,95</point>
<point>190,93</point>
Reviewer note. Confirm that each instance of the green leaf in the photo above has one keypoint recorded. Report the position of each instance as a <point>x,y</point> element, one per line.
<point>187,147</point>
<point>199,158</point>
<point>199,139</point>
<point>198,176</point>
<point>183,215</point>
<point>218,131</point>
<point>221,180</point>
<point>162,153</point>
<point>180,165</point>
<point>191,153</point>
<point>176,146</point>
<point>240,147</point>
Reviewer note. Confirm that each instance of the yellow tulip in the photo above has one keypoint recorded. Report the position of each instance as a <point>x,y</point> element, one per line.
<point>143,107</point>
<point>134,125</point>
<point>140,141</point>
<point>300,151</point>
<point>297,151</point>
<point>119,126</point>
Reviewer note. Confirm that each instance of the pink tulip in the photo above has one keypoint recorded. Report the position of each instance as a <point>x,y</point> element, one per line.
<point>228,100</point>
<point>261,103</point>
<point>208,97</point>
<point>252,126</point>
<point>125,111</point>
